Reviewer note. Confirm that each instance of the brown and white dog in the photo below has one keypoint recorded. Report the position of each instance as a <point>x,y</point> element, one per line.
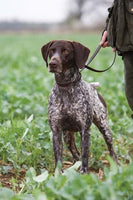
<point>73,103</point>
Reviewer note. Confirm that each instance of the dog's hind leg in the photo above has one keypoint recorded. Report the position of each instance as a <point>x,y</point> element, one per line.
<point>69,139</point>
<point>102,124</point>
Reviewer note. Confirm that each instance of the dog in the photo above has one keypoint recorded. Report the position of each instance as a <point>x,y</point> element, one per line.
<point>73,103</point>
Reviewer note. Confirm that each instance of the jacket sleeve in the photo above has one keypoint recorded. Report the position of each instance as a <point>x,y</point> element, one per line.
<point>110,10</point>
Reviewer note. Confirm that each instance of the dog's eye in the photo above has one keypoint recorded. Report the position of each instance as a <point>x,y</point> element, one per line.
<point>51,51</point>
<point>65,51</point>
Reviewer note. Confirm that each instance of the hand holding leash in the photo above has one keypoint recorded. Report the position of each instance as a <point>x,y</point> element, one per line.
<point>103,43</point>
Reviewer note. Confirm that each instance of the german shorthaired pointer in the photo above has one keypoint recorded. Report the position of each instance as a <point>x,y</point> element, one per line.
<point>73,103</point>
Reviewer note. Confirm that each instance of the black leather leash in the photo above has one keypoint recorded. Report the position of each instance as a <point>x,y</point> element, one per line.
<point>91,59</point>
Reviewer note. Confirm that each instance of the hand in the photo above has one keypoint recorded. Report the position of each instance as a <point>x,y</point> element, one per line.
<point>104,43</point>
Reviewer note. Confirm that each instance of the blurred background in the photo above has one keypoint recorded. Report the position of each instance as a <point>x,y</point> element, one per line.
<point>53,15</point>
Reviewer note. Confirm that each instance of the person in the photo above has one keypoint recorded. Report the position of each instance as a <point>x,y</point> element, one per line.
<point>118,34</point>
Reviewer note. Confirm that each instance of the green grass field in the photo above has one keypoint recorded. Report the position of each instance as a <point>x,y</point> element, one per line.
<point>26,155</point>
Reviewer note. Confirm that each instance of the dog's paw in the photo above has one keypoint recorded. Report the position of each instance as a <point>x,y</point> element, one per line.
<point>84,170</point>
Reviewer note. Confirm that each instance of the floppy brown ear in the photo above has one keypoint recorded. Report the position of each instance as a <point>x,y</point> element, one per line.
<point>45,51</point>
<point>81,54</point>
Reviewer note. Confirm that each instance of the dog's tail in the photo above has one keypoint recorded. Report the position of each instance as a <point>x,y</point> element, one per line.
<point>95,84</point>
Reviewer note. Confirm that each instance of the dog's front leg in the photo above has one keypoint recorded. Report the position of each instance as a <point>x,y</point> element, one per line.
<point>85,143</point>
<point>57,146</point>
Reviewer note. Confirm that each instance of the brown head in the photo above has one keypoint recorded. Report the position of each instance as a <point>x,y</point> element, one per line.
<point>64,54</point>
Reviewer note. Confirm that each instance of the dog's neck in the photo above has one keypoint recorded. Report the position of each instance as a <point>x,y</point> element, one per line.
<point>69,77</point>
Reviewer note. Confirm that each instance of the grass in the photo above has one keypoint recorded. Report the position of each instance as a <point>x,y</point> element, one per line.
<point>25,136</point>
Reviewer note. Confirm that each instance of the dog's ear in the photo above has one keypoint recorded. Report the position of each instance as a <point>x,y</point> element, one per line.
<point>81,54</point>
<point>45,51</point>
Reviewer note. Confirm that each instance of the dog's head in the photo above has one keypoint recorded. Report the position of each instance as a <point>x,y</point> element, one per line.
<point>64,54</point>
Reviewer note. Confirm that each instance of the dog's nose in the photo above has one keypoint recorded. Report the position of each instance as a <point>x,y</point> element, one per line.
<point>53,63</point>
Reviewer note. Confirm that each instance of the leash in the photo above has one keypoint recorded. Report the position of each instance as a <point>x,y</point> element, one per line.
<point>91,59</point>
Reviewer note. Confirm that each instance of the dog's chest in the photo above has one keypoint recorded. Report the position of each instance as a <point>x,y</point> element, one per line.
<point>69,106</point>
<point>68,99</point>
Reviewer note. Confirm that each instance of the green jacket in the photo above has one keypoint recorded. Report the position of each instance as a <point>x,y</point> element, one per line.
<point>120,25</point>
